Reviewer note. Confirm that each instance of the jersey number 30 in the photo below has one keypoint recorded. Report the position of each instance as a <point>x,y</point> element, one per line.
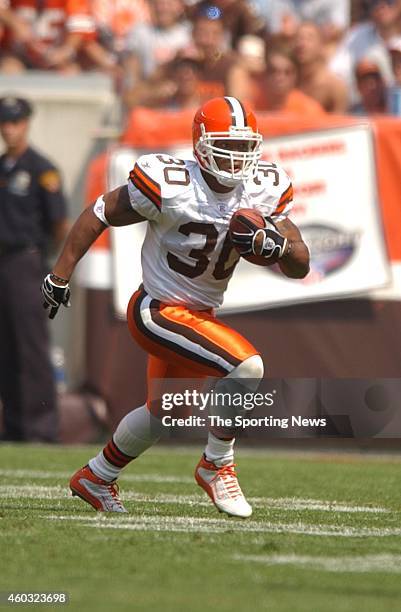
<point>201,255</point>
<point>174,167</point>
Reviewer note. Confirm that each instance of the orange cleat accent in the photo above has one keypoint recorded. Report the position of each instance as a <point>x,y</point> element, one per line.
<point>221,484</point>
<point>100,494</point>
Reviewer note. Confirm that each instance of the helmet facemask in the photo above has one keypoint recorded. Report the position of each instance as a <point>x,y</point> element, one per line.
<point>242,164</point>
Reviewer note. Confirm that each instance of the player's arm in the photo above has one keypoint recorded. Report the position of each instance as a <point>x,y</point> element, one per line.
<point>88,227</point>
<point>280,241</point>
<point>294,263</point>
<point>116,210</point>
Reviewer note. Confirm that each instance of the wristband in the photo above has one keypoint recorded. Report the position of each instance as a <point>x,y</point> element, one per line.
<point>58,279</point>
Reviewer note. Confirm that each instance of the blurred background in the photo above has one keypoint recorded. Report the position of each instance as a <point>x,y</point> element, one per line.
<point>110,80</point>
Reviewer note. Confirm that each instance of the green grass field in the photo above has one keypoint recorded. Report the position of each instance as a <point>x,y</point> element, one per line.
<point>325,534</point>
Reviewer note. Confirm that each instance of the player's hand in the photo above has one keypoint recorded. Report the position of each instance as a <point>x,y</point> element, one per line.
<point>54,295</point>
<point>266,242</point>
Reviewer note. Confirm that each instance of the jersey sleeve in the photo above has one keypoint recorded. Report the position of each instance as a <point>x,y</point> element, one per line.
<point>284,204</point>
<point>154,184</point>
<point>275,196</point>
<point>144,187</point>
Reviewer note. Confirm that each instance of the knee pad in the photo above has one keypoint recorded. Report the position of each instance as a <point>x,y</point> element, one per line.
<point>244,379</point>
<point>252,367</point>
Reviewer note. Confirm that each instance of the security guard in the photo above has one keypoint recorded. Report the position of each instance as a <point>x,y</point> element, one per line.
<point>32,216</point>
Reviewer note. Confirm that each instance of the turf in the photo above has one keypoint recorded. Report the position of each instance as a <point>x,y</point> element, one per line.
<point>325,534</point>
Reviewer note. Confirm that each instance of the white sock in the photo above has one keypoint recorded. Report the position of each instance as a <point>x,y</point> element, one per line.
<point>103,469</point>
<point>248,373</point>
<point>220,452</point>
<point>135,433</point>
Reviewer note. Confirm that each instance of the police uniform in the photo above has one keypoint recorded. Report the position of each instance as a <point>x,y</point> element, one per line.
<point>31,202</point>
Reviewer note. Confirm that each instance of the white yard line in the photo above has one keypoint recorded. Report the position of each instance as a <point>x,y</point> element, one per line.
<point>285,503</point>
<point>39,474</point>
<point>60,492</point>
<point>193,524</point>
<point>386,563</point>
<point>298,503</point>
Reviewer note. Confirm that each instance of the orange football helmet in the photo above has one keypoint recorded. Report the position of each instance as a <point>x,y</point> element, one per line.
<point>219,120</point>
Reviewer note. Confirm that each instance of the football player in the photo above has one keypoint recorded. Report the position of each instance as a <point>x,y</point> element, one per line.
<point>187,260</point>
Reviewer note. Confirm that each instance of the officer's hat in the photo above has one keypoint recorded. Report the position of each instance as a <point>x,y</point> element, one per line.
<point>14,109</point>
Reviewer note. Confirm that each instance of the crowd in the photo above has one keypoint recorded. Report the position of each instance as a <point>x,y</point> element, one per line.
<point>301,56</point>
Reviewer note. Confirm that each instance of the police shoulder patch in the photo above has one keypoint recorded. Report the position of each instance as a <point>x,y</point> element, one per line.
<point>50,180</point>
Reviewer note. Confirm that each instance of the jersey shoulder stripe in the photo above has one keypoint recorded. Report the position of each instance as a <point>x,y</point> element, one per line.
<point>146,185</point>
<point>147,179</point>
<point>285,198</point>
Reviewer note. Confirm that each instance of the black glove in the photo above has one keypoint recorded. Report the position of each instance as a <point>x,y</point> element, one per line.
<point>273,244</point>
<point>54,295</point>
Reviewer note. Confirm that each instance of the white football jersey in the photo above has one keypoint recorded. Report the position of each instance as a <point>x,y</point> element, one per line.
<point>187,257</point>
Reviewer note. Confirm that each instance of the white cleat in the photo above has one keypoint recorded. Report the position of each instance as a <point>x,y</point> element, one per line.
<point>102,495</point>
<point>221,484</point>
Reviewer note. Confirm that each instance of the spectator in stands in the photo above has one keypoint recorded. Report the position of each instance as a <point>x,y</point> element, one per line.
<point>175,86</point>
<point>113,21</point>
<point>239,18</point>
<point>394,92</point>
<point>372,89</point>
<point>221,72</point>
<point>394,47</point>
<point>185,74</point>
<point>20,32</point>
<point>359,11</point>
<point>282,18</point>
<point>276,89</point>
<point>251,54</point>
<point>279,19</point>
<point>151,44</point>
<point>369,40</point>
<point>315,78</point>
<point>58,31</point>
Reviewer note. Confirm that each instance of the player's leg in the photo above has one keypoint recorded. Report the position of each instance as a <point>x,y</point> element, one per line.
<point>215,472</point>
<point>191,345</point>
<point>137,431</point>
<point>194,339</point>
<point>197,339</point>
<point>96,481</point>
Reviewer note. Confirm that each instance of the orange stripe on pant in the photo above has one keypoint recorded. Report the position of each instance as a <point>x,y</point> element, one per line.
<point>197,328</point>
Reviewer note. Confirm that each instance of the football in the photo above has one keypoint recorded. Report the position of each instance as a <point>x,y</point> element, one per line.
<point>238,224</point>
